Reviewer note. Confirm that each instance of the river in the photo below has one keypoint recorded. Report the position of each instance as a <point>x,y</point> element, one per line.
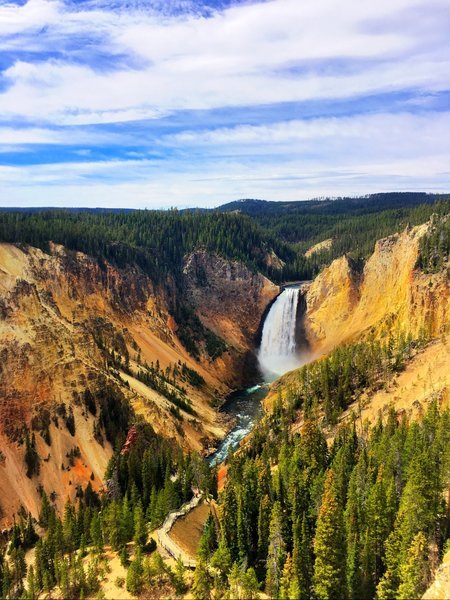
<point>245,406</point>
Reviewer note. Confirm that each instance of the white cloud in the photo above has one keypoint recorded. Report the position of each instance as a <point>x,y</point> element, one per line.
<point>400,128</point>
<point>283,161</point>
<point>86,64</point>
<point>39,135</point>
<point>241,56</point>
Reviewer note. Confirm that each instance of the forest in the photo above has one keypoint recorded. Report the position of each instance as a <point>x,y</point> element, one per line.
<point>157,241</point>
<point>354,520</point>
<point>142,484</point>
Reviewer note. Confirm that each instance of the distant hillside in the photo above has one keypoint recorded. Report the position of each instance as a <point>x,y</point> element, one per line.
<point>270,237</point>
<point>341,205</point>
<point>352,224</point>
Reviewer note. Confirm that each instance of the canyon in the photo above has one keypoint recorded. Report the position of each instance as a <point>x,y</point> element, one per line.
<point>63,317</point>
<point>64,323</point>
<point>102,361</point>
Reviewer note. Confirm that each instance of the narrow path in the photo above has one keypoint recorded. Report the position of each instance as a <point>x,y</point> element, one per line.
<point>167,542</point>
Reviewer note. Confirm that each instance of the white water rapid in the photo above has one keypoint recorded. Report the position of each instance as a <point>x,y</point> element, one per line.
<point>277,353</point>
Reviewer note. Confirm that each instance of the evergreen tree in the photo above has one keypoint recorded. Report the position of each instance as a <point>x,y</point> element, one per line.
<point>135,574</point>
<point>277,552</point>
<point>289,582</point>
<point>96,533</point>
<point>179,577</point>
<point>32,588</point>
<point>32,459</point>
<point>302,560</point>
<point>329,546</point>
<point>414,572</point>
<point>250,585</point>
<point>46,511</point>
<point>221,559</point>
<point>140,529</point>
<point>263,528</point>
<point>201,585</point>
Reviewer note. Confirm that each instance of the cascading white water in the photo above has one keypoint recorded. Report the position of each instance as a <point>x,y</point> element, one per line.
<point>277,353</point>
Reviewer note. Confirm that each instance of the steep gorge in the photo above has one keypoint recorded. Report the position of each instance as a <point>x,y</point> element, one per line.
<point>68,325</point>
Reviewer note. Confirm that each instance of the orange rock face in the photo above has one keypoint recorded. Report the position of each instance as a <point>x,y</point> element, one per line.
<point>58,313</point>
<point>345,301</point>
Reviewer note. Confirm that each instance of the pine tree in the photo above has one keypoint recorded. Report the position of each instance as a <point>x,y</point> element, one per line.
<point>414,572</point>
<point>201,585</point>
<point>302,560</point>
<point>234,582</point>
<point>32,459</point>
<point>329,546</point>
<point>288,581</point>
<point>140,529</point>
<point>263,528</point>
<point>111,523</point>
<point>29,534</point>
<point>69,527</point>
<point>277,552</point>
<point>19,566</point>
<point>152,508</point>
<point>221,559</point>
<point>96,533</point>
<point>380,515</point>
<point>179,577</point>
<point>157,565</point>
<point>250,585</point>
<point>135,574</point>
<point>32,588</point>
<point>46,510</point>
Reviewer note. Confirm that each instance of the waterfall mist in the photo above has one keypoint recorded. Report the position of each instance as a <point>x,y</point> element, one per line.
<point>278,353</point>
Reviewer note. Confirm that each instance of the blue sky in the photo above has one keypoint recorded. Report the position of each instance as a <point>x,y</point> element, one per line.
<point>158,103</point>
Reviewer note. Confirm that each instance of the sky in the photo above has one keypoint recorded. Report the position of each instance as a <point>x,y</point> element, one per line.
<point>161,103</point>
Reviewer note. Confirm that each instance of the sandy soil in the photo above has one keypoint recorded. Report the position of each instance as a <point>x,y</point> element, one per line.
<point>143,390</point>
<point>318,247</point>
<point>187,531</point>
<point>109,587</point>
<point>440,588</point>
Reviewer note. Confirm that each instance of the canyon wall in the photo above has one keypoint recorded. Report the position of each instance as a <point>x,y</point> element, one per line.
<point>388,292</point>
<point>68,324</point>
<point>230,301</point>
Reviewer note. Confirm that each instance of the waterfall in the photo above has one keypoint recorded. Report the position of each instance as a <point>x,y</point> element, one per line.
<point>277,353</point>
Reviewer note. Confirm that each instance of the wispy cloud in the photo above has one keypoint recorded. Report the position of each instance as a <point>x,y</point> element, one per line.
<point>349,92</point>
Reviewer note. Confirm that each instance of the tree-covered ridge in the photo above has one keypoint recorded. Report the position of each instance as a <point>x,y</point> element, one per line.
<point>329,385</point>
<point>248,231</point>
<point>364,518</point>
<point>353,224</point>
<point>157,241</point>
<point>344,205</point>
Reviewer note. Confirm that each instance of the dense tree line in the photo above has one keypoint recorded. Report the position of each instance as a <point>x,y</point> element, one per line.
<point>363,518</point>
<point>157,241</point>
<point>353,224</point>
